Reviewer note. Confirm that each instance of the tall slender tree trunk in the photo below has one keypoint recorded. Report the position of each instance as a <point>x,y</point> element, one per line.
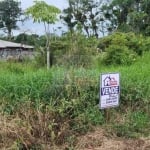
<point>47,34</point>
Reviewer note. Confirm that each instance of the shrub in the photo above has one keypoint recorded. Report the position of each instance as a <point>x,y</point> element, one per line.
<point>135,43</point>
<point>146,44</point>
<point>126,43</point>
<point>119,55</point>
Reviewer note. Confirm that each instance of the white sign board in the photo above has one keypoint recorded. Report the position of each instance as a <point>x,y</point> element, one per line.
<point>109,90</point>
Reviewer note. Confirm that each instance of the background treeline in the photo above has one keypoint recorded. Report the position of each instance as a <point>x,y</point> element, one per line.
<point>91,17</point>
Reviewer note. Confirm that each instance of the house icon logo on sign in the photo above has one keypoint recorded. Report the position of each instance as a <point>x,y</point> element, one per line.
<point>110,81</point>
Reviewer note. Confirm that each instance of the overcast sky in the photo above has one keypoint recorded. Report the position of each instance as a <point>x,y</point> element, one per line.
<point>32,28</point>
<point>58,3</point>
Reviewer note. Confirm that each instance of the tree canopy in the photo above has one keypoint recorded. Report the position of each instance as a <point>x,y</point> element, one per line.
<point>84,14</point>
<point>105,16</point>
<point>42,12</point>
<point>10,11</point>
<point>128,15</point>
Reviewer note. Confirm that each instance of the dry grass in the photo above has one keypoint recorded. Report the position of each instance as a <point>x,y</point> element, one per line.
<point>15,131</point>
<point>99,140</point>
<point>31,127</point>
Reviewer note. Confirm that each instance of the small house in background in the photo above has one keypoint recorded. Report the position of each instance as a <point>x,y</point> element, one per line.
<point>15,50</point>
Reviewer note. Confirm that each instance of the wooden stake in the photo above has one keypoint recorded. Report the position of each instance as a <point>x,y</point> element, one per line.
<point>107,115</point>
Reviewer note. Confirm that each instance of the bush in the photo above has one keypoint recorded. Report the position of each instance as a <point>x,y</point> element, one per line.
<point>125,43</point>
<point>119,55</point>
<point>146,44</point>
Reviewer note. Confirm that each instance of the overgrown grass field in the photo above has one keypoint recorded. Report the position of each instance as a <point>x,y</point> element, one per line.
<point>40,107</point>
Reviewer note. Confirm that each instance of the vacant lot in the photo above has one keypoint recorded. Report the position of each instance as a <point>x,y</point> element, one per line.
<point>42,109</point>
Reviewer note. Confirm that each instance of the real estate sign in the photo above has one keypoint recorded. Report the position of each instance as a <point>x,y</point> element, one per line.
<point>109,90</point>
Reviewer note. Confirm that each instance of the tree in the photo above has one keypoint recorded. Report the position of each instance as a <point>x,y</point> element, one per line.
<point>10,11</point>
<point>84,14</point>
<point>27,39</point>
<point>47,14</point>
<point>128,15</point>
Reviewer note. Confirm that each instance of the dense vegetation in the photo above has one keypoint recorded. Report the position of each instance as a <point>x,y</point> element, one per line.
<point>59,104</point>
<point>42,108</point>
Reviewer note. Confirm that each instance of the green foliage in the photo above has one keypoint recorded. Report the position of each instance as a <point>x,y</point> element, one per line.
<point>136,94</point>
<point>15,68</point>
<point>146,44</point>
<point>73,49</point>
<point>60,104</point>
<point>24,38</point>
<point>136,125</point>
<point>139,121</point>
<point>126,16</point>
<point>83,15</point>
<point>42,12</point>
<point>40,58</point>
<point>123,48</point>
<point>47,14</point>
<point>119,55</point>
<point>94,116</point>
<point>10,12</point>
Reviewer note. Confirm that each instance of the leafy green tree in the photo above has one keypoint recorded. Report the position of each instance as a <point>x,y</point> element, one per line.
<point>10,11</point>
<point>128,15</point>
<point>41,12</point>
<point>24,38</point>
<point>84,14</point>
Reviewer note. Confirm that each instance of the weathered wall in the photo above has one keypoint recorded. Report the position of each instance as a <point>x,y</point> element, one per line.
<point>6,53</point>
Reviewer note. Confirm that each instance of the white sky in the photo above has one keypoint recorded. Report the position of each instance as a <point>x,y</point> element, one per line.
<point>36,28</point>
<point>58,3</point>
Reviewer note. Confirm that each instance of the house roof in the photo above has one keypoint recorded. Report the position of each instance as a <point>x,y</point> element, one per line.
<point>7,44</point>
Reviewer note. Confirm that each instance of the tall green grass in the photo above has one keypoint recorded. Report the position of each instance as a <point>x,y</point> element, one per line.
<point>70,97</point>
<point>20,83</point>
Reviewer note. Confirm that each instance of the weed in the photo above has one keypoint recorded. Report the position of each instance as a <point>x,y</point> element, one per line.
<point>53,107</point>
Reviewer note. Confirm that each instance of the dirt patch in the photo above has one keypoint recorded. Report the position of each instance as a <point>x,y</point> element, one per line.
<point>99,140</point>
